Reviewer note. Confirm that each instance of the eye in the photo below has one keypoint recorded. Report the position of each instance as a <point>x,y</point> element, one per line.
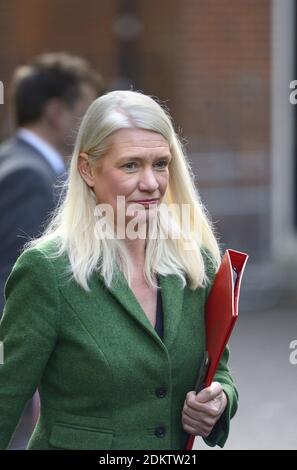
<point>162,164</point>
<point>129,165</point>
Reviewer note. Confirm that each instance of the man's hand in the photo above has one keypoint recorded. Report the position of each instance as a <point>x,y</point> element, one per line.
<point>201,412</point>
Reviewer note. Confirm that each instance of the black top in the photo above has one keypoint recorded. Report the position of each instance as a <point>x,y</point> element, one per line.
<point>159,319</point>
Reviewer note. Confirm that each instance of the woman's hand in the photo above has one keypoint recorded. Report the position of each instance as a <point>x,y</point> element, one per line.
<point>201,412</point>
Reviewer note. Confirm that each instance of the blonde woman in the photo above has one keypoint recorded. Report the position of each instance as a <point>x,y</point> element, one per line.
<point>104,313</point>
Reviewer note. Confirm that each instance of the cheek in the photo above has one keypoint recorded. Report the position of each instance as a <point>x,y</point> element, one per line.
<point>163,181</point>
<point>81,108</point>
<point>112,184</point>
<point>123,185</point>
<point>70,118</point>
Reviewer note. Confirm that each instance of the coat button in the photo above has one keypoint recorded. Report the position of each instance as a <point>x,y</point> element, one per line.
<point>160,431</point>
<point>160,392</point>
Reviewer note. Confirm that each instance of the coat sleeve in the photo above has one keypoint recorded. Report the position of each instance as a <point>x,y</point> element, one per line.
<point>28,331</point>
<point>220,431</point>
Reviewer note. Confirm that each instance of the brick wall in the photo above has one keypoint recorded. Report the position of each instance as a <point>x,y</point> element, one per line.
<point>211,60</point>
<point>208,59</point>
<point>31,27</point>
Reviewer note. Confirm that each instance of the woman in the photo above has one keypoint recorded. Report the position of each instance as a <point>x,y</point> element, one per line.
<point>107,325</point>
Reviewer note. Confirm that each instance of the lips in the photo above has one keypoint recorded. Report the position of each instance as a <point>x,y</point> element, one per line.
<point>146,201</point>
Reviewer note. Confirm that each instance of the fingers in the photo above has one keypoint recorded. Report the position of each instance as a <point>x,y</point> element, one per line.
<point>202,427</point>
<point>194,408</point>
<point>202,418</point>
<point>198,416</point>
<point>211,407</point>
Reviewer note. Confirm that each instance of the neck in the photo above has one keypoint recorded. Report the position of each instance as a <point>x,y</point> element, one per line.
<point>46,134</point>
<point>136,250</point>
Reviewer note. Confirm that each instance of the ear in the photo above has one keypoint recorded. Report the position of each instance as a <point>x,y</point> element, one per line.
<point>86,170</point>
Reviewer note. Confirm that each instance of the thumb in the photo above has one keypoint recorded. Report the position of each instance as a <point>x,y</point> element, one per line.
<point>209,393</point>
<point>204,396</point>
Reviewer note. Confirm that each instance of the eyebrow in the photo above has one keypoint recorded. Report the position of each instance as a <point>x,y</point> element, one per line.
<point>131,157</point>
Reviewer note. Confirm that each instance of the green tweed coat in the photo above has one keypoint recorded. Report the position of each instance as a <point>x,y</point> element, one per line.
<point>97,361</point>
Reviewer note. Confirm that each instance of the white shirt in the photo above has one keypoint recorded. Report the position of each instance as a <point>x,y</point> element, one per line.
<point>44,148</point>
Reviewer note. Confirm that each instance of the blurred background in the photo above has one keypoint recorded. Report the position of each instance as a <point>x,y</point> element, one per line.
<point>223,68</point>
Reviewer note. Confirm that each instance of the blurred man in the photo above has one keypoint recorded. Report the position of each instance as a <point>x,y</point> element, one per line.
<point>50,95</point>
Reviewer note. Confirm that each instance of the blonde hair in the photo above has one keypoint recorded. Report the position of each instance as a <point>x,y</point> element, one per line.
<point>72,225</point>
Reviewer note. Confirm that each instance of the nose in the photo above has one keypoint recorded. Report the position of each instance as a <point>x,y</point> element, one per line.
<point>148,181</point>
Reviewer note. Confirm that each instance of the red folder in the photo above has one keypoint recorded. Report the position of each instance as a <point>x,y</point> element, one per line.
<point>221,312</point>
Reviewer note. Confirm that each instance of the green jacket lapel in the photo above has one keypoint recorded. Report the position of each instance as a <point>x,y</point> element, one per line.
<point>172,301</point>
<point>86,303</point>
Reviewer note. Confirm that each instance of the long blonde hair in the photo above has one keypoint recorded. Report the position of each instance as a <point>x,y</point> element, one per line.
<point>72,224</point>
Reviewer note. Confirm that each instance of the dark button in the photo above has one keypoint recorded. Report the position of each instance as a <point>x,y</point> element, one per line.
<point>160,431</point>
<point>160,392</point>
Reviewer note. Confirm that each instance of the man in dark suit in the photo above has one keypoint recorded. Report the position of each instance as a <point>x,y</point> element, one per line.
<point>50,96</point>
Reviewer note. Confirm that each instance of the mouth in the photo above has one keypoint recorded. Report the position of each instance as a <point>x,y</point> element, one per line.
<point>146,202</point>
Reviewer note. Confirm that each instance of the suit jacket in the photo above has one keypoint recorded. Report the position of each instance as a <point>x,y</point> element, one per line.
<point>26,198</point>
<point>105,378</point>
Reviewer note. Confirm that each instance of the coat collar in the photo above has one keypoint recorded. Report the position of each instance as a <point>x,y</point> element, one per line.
<point>172,301</point>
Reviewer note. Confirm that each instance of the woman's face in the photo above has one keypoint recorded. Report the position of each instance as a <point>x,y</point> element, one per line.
<point>136,166</point>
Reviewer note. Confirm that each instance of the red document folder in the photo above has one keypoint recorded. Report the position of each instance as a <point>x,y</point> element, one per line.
<point>221,312</point>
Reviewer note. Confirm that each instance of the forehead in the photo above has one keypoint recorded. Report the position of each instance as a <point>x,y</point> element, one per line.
<point>132,141</point>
